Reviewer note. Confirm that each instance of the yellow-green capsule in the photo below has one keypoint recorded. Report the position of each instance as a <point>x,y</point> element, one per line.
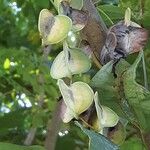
<point>78,97</point>
<point>106,116</point>
<point>109,117</point>
<point>53,29</point>
<point>73,61</point>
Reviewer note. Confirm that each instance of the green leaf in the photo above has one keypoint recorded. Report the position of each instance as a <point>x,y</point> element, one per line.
<point>110,1</point>
<point>136,94</point>
<point>108,87</point>
<point>103,81</point>
<point>103,77</point>
<point>111,12</point>
<point>131,4</point>
<point>11,120</point>
<point>132,144</point>
<point>8,146</point>
<point>98,141</point>
<point>146,16</point>
<point>41,4</point>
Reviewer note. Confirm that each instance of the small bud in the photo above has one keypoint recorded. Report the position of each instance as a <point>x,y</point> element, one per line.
<point>70,62</point>
<point>53,29</point>
<point>78,97</point>
<point>127,17</point>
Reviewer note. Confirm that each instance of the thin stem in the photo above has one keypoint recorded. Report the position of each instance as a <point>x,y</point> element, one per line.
<point>106,15</point>
<point>142,2</point>
<point>85,123</point>
<point>96,62</point>
<point>53,4</point>
<point>144,71</point>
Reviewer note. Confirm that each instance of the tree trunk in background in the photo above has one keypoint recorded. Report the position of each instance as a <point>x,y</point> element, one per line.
<point>53,128</point>
<point>30,137</point>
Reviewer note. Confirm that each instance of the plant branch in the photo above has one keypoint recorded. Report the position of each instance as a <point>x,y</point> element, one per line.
<point>100,10</point>
<point>30,137</point>
<point>95,31</point>
<point>144,71</point>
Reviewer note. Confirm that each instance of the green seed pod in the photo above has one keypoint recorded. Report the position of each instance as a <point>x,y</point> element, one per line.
<point>59,67</point>
<point>53,29</point>
<point>78,97</point>
<point>106,116</point>
<point>109,117</point>
<point>70,62</point>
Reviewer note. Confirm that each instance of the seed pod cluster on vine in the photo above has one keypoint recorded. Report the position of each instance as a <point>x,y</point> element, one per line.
<point>78,97</point>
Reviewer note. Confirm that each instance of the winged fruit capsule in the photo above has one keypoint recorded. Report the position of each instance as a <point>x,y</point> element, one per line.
<point>77,97</point>
<point>53,29</point>
<point>70,62</point>
<point>106,116</point>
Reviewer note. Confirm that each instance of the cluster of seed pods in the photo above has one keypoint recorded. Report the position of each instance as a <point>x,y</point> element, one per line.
<point>79,96</point>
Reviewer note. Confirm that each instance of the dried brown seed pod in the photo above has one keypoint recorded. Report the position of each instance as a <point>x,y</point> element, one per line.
<point>123,40</point>
<point>79,17</point>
